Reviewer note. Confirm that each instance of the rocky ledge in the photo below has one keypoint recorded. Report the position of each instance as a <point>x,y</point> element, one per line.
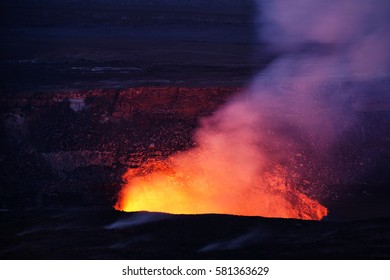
<point>72,147</point>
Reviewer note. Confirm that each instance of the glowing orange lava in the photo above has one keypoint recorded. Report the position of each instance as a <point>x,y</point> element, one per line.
<point>187,185</point>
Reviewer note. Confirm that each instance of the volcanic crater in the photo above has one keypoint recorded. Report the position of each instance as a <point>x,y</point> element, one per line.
<point>93,93</point>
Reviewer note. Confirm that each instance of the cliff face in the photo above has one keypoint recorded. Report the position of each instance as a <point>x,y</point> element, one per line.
<point>76,145</point>
<point>71,148</point>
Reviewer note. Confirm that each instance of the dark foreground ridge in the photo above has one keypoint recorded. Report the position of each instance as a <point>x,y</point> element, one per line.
<point>107,234</point>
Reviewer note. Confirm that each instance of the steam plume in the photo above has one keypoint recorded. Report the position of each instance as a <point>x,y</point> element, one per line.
<point>250,151</point>
<point>292,105</point>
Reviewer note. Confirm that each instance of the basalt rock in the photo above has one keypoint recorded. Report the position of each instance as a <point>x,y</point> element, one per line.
<point>72,147</point>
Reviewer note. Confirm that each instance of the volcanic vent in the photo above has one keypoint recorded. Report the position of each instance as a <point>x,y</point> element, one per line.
<point>229,171</point>
<point>182,185</point>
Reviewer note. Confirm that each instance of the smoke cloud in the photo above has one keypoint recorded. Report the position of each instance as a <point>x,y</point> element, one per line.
<point>298,106</point>
<point>137,220</point>
<point>246,240</point>
<point>259,154</point>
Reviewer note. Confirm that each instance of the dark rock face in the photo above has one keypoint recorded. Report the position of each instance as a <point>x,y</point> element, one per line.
<point>103,234</point>
<point>73,147</point>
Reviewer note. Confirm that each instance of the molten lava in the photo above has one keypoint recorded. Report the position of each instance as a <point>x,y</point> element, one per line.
<point>187,184</point>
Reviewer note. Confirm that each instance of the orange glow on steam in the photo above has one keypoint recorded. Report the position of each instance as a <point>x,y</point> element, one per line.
<point>190,184</point>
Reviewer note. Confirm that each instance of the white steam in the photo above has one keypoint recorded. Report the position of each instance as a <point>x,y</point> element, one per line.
<point>291,106</point>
